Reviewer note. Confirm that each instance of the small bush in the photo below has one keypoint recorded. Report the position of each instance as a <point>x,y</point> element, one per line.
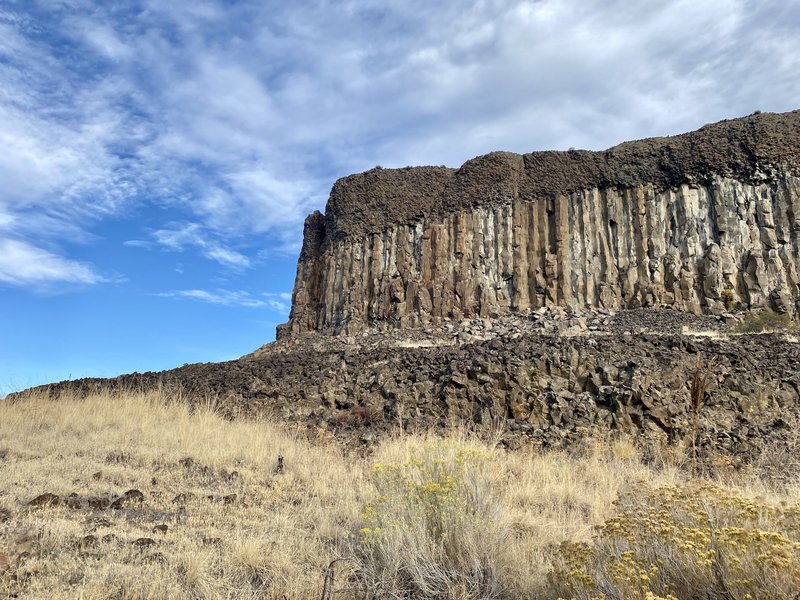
<point>695,541</point>
<point>434,528</point>
<point>728,298</point>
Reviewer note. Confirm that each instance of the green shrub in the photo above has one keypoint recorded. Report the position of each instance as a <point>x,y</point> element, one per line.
<point>434,528</point>
<point>695,541</point>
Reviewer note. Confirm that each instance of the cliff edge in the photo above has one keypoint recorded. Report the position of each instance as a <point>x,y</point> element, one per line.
<point>702,222</point>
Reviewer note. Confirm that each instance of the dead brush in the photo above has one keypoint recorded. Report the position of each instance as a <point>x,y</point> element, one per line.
<point>698,392</point>
<point>767,321</point>
<point>348,578</point>
<point>359,416</point>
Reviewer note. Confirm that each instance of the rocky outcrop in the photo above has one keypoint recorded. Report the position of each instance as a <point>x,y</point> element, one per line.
<point>489,297</point>
<point>703,222</point>
<point>553,379</point>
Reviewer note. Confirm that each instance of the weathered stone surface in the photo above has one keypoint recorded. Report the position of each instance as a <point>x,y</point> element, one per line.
<point>702,222</point>
<point>549,378</point>
<point>508,293</point>
<point>128,498</point>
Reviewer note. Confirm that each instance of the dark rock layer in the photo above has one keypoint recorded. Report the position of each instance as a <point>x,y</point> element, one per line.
<point>369,202</point>
<point>553,382</point>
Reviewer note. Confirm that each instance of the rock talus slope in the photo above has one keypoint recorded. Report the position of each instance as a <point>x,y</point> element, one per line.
<point>551,379</point>
<point>702,222</point>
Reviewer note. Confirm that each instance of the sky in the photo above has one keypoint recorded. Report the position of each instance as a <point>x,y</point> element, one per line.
<point>157,159</point>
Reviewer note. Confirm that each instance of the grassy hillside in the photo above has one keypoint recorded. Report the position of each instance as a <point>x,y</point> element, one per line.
<point>211,512</point>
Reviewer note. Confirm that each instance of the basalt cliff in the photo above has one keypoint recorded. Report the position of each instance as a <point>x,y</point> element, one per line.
<point>552,296</point>
<point>704,222</point>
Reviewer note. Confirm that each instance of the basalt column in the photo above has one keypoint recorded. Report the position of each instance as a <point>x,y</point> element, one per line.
<point>703,222</point>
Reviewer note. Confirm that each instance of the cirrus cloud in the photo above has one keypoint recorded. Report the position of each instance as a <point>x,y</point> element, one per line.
<point>237,117</point>
<point>219,296</point>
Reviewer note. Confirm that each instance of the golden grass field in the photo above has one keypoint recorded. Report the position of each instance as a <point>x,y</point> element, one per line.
<point>417,516</point>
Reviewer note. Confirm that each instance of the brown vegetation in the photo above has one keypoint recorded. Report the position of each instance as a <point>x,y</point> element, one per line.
<point>159,500</point>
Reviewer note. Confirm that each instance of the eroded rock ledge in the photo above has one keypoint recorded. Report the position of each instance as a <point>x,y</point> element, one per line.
<point>701,222</point>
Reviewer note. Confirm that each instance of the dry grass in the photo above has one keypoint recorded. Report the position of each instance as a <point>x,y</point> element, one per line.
<point>275,537</point>
<point>712,334</point>
<point>282,529</point>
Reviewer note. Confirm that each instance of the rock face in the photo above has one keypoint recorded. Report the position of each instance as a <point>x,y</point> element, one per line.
<point>701,222</point>
<point>489,297</point>
<point>552,379</point>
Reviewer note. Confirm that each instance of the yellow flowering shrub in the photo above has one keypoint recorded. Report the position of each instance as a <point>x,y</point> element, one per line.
<point>690,541</point>
<point>433,529</point>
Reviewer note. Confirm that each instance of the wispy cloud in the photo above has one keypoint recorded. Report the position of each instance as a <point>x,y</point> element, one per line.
<point>138,244</point>
<point>180,236</point>
<point>227,257</point>
<point>102,38</point>
<point>280,302</point>
<point>22,264</point>
<point>223,297</point>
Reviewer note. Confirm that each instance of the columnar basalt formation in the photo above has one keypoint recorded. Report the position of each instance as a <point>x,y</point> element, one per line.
<point>701,222</point>
<point>551,244</point>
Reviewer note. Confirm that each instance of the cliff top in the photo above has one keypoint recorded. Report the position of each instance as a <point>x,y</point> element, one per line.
<point>369,202</point>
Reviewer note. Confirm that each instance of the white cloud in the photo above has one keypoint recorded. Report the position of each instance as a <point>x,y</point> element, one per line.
<point>103,39</point>
<point>138,244</point>
<point>278,306</point>
<point>6,219</point>
<point>223,297</point>
<point>179,236</point>
<point>276,301</point>
<point>22,264</point>
<point>279,301</point>
<point>228,257</point>
<point>56,171</point>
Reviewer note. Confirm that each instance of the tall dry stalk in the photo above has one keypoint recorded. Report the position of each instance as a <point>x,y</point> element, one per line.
<point>697,399</point>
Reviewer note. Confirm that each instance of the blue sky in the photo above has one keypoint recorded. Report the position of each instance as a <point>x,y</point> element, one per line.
<point>157,158</point>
